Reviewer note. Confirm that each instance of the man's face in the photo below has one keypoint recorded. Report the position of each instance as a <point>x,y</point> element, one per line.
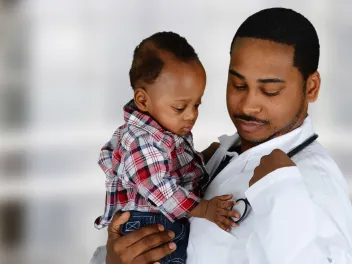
<point>265,92</point>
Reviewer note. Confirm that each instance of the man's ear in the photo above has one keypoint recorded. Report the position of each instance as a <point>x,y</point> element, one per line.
<point>313,87</point>
<point>141,99</point>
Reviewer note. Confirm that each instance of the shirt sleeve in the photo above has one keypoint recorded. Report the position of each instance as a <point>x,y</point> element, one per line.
<point>291,228</point>
<point>147,167</point>
<point>99,256</point>
<point>105,157</point>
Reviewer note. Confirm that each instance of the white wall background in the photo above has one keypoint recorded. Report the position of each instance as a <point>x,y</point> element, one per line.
<point>64,80</point>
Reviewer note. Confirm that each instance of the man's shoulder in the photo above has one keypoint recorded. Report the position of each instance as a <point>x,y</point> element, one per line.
<point>319,170</point>
<point>315,155</point>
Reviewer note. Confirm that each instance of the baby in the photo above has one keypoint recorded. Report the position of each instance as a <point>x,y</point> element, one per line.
<point>152,169</point>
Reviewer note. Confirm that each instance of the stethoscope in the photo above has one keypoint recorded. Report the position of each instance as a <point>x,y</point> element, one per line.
<point>294,151</point>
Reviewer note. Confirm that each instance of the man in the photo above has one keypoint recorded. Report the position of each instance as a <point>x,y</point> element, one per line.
<point>296,210</point>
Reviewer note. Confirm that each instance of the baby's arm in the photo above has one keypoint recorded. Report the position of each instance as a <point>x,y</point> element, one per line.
<point>217,211</point>
<point>147,167</point>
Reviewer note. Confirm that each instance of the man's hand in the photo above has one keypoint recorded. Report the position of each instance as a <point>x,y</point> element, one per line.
<point>208,152</point>
<point>135,247</point>
<point>275,160</point>
<point>218,212</point>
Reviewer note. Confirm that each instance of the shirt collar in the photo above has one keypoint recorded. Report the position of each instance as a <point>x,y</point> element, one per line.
<point>133,116</point>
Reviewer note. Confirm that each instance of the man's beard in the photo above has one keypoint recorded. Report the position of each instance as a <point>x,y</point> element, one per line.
<point>278,133</point>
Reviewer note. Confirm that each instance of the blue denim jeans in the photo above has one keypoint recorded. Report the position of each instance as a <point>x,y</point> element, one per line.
<point>180,228</point>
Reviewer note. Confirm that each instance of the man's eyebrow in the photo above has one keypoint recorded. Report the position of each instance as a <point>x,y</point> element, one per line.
<point>271,80</point>
<point>233,72</point>
<point>266,80</point>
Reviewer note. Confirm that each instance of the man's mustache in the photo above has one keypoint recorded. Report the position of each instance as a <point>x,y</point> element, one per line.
<point>250,118</point>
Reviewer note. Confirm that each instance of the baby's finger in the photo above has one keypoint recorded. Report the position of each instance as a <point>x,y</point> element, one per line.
<point>221,211</point>
<point>228,213</point>
<point>226,204</point>
<point>225,197</point>
<point>227,221</point>
<point>223,226</point>
<point>232,213</point>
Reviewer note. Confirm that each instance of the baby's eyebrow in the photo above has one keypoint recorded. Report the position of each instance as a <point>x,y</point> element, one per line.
<point>181,100</point>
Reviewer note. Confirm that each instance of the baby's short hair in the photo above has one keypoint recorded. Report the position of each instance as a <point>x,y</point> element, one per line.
<point>147,63</point>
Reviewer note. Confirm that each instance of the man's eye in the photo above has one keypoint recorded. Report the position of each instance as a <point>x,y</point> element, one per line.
<point>240,87</point>
<point>271,94</point>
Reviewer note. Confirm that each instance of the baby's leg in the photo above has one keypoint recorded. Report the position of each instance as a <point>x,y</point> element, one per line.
<point>180,228</point>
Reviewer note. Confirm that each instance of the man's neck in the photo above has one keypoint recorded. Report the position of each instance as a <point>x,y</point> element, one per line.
<point>247,145</point>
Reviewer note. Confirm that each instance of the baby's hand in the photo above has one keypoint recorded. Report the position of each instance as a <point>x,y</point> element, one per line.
<point>218,211</point>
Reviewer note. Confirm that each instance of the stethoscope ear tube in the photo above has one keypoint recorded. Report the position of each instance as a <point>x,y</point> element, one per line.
<point>302,146</point>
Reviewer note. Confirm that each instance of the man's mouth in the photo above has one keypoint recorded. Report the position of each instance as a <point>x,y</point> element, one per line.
<point>249,126</point>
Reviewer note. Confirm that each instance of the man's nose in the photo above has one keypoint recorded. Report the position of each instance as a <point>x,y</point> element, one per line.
<point>251,104</point>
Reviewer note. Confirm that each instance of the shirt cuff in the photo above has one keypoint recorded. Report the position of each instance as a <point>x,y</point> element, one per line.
<point>179,204</point>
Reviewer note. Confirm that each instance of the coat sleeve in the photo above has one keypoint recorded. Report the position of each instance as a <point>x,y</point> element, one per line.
<point>99,256</point>
<point>291,228</point>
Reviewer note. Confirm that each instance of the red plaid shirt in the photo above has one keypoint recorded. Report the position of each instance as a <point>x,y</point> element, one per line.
<point>149,169</point>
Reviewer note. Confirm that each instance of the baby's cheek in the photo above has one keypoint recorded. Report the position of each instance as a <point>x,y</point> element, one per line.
<point>172,124</point>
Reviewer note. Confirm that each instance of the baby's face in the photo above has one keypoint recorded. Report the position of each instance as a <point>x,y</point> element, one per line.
<point>176,94</point>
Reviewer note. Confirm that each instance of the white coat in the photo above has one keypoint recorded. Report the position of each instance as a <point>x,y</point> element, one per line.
<point>300,215</point>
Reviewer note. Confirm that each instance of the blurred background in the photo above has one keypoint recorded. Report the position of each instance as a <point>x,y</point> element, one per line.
<point>64,80</point>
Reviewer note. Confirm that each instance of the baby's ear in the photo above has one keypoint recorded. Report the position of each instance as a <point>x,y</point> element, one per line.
<point>141,99</point>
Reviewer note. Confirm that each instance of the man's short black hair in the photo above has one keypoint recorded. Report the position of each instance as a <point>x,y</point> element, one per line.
<point>147,62</point>
<point>287,27</point>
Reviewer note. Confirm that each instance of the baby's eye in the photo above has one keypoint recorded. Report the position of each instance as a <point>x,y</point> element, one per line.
<point>179,109</point>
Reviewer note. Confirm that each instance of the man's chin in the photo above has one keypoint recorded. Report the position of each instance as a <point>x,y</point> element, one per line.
<point>255,140</point>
